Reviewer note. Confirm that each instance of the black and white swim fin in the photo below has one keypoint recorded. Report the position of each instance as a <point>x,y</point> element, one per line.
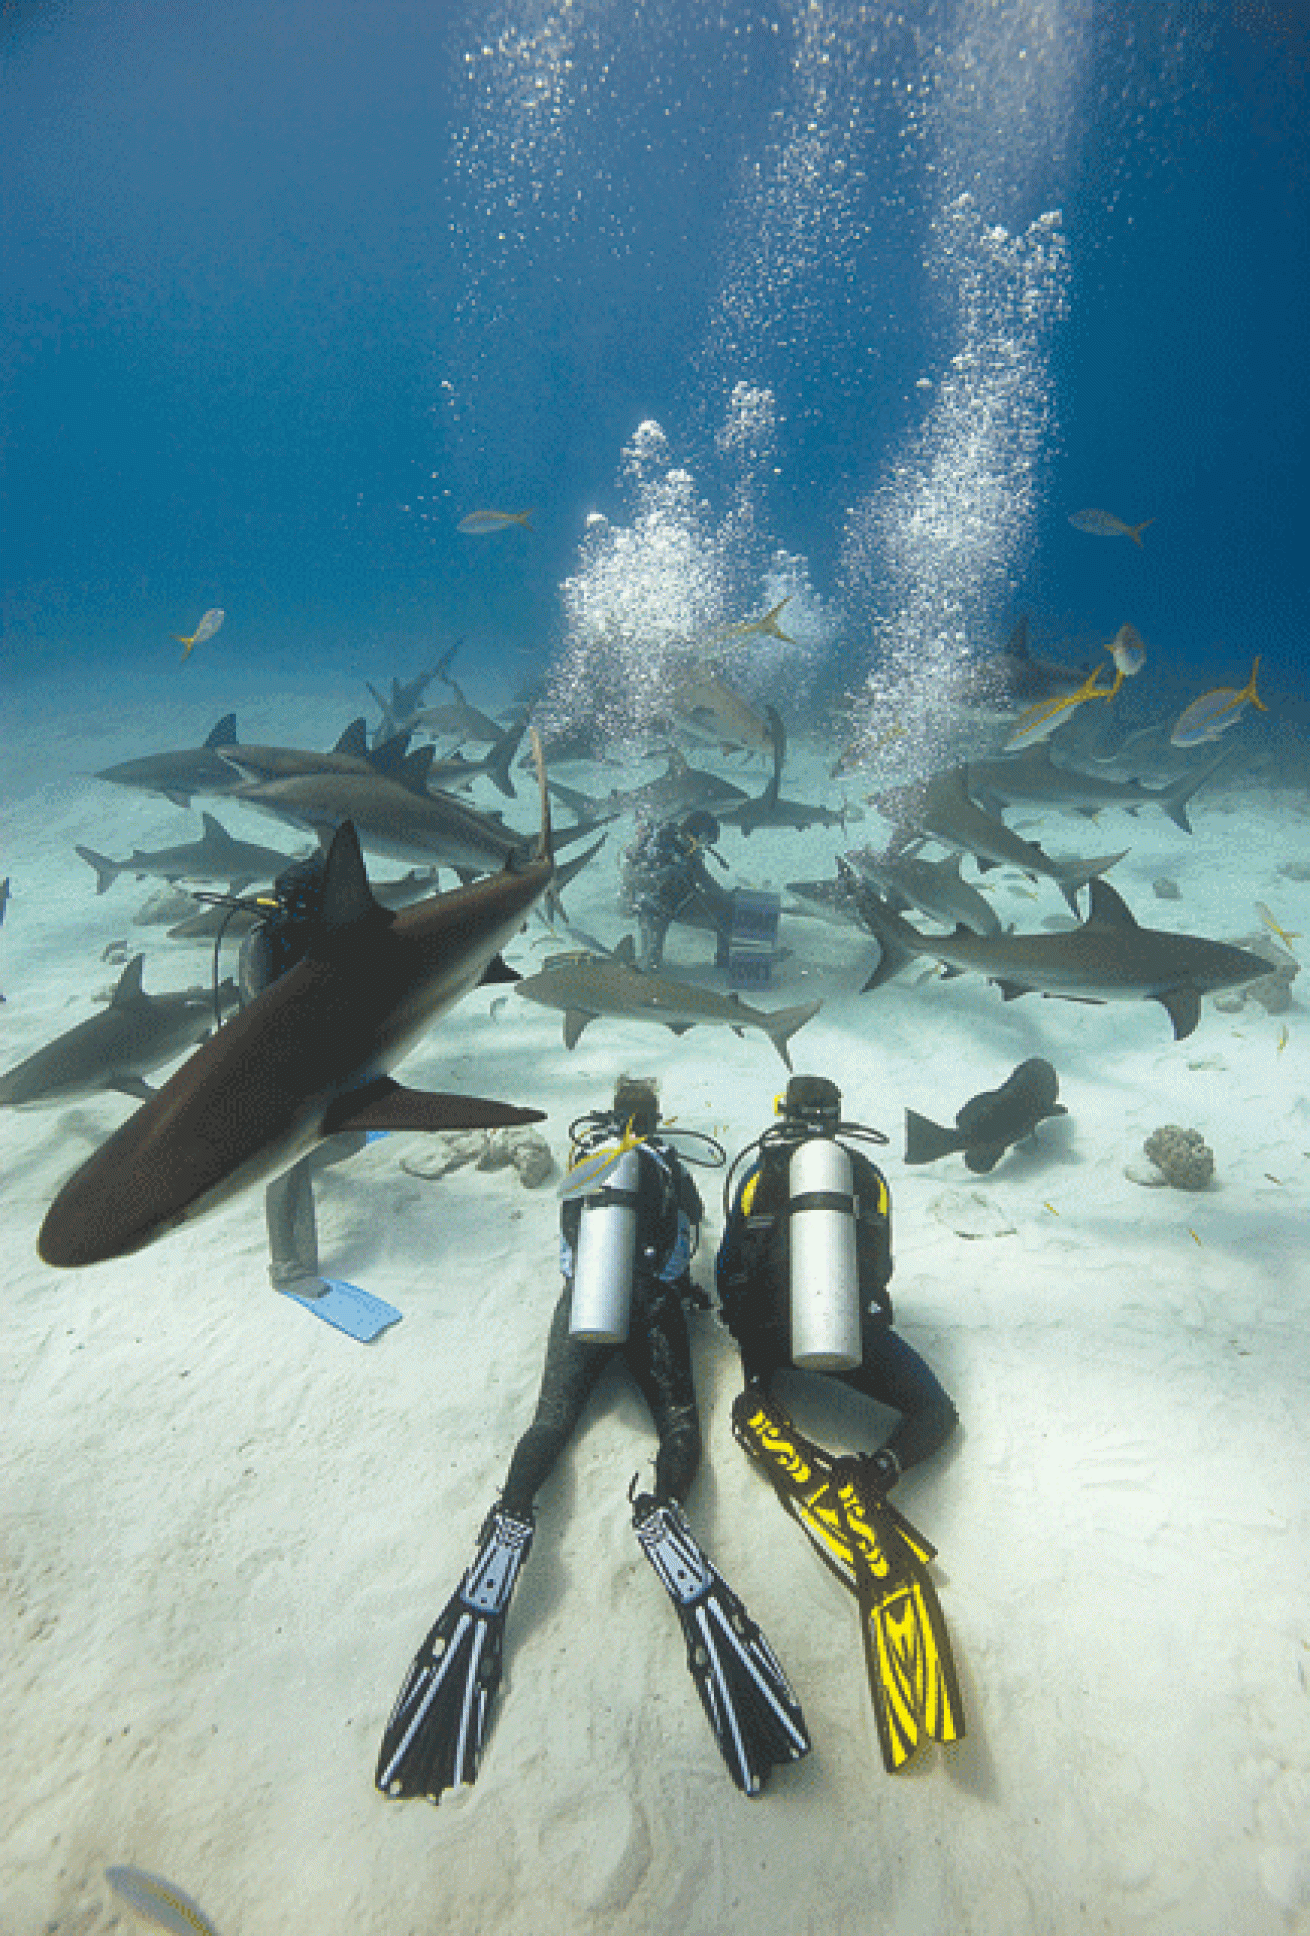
<point>757,1720</point>
<point>439,1725</point>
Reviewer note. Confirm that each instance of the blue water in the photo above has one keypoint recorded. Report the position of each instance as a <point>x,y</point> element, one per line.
<point>290,287</point>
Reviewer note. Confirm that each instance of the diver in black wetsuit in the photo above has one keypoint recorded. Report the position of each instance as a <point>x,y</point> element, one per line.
<point>626,1279</point>
<point>666,880</point>
<point>753,1280</point>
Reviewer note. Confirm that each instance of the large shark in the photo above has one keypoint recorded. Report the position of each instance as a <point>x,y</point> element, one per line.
<point>675,791</point>
<point>588,985</point>
<point>937,887</point>
<point>116,1049</point>
<point>1005,684</point>
<point>217,856</point>
<point>180,775</point>
<point>940,807</point>
<point>307,1058</point>
<point>1109,958</point>
<point>1033,778</point>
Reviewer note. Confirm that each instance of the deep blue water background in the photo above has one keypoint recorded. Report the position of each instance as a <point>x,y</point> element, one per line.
<point>244,247</point>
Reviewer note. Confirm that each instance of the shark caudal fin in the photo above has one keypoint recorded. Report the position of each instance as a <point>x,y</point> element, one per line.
<point>1173,799</point>
<point>1072,875</point>
<point>899,942</point>
<point>783,1023</point>
<point>107,871</point>
<point>496,763</point>
<point>926,1141</point>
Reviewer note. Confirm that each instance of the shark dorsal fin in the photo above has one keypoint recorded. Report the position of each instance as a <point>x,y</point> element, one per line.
<point>354,740</point>
<point>129,987</point>
<point>225,733</point>
<point>415,768</point>
<point>347,896</point>
<point>1108,907</point>
<point>215,832</point>
<point>626,952</point>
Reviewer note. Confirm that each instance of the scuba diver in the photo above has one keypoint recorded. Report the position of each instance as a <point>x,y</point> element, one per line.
<point>666,880</point>
<point>628,1229</point>
<point>802,1276</point>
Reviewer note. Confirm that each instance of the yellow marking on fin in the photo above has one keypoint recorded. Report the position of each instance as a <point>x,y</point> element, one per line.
<point>1051,1207</point>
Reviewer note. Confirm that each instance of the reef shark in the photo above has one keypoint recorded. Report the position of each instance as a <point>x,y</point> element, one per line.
<point>1005,684</point>
<point>940,808</point>
<point>769,809</point>
<point>307,1058</point>
<point>1107,958</point>
<point>677,790</point>
<point>135,1034</point>
<point>588,985</point>
<point>217,856</point>
<point>1034,778</point>
<point>180,775</point>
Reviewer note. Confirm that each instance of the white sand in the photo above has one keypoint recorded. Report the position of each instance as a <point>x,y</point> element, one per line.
<point>228,1526</point>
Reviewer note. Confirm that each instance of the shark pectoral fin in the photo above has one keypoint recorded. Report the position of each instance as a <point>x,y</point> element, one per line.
<point>1183,1006</point>
<point>947,973</point>
<point>985,866</point>
<point>498,969</point>
<point>385,1104</point>
<point>626,951</point>
<point>180,799</point>
<point>1011,990</point>
<point>131,1086</point>
<point>575,1020</point>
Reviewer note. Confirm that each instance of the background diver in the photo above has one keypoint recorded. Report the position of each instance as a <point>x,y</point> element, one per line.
<point>802,1277</point>
<point>665,879</point>
<point>626,1240</point>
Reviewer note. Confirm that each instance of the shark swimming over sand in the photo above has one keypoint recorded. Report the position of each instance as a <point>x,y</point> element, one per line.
<point>1033,778</point>
<point>769,809</point>
<point>1108,958</point>
<point>940,807</point>
<point>309,1057</point>
<point>587,985</point>
<point>135,1034</point>
<point>180,775</point>
<point>1002,685</point>
<point>217,856</point>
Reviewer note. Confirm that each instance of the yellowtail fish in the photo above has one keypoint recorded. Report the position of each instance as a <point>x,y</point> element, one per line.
<point>1286,935</point>
<point>1279,1046</point>
<point>1215,711</point>
<point>1041,720</point>
<point>1127,651</point>
<point>479,523</point>
<point>859,753</point>
<point>160,1902</point>
<point>1104,524</point>
<point>206,629</point>
<point>591,1170</point>
<point>766,624</point>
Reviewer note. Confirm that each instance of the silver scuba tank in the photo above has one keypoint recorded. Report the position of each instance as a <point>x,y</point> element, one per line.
<point>825,1282</point>
<point>606,1252</point>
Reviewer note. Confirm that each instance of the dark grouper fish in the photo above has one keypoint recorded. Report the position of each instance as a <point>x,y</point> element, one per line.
<point>989,1123</point>
<point>307,1058</point>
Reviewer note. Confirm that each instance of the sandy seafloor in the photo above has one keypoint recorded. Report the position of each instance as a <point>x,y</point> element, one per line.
<point>227,1527</point>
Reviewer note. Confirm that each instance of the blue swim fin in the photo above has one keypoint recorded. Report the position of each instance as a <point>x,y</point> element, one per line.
<point>358,1313</point>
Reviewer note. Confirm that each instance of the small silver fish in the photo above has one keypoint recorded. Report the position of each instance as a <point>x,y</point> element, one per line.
<point>478,524</point>
<point>1104,524</point>
<point>1215,711</point>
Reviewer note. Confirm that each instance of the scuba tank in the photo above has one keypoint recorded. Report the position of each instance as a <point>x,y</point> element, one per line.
<point>605,1256</point>
<point>825,1278</point>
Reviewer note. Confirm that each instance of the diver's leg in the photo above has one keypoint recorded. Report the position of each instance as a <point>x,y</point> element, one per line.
<point>895,1375</point>
<point>659,1357</point>
<point>572,1367</point>
<point>289,1210</point>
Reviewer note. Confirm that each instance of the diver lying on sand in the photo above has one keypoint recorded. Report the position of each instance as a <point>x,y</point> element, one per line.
<point>626,1239</point>
<point>802,1277</point>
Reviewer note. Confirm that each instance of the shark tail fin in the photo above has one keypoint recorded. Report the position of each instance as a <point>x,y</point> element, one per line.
<point>1173,799</point>
<point>497,762</point>
<point>926,1141</point>
<point>783,1023</point>
<point>1071,875</point>
<point>569,871</point>
<point>899,942</point>
<point>107,871</point>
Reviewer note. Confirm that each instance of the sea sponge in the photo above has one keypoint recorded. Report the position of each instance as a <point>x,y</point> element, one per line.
<point>1182,1155</point>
